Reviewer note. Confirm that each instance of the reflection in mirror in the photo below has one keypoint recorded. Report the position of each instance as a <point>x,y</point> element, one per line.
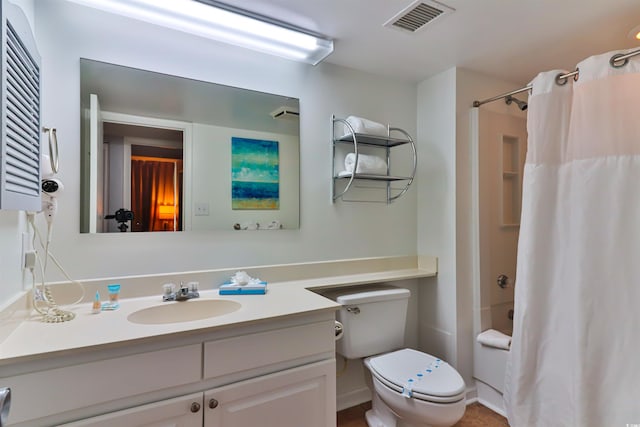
<point>152,185</point>
<point>166,153</point>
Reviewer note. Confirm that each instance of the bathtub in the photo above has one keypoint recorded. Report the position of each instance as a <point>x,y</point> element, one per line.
<point>489,367</point>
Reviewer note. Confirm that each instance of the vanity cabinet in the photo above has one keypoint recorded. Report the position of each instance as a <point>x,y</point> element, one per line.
<point>277,373</point>
<point>291,398</point>
<point>183,411</point>
<point>344,182</point>
<point>42,393</point>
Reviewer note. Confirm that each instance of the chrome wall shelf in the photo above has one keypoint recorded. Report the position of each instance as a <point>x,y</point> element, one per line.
<point>344,181</point>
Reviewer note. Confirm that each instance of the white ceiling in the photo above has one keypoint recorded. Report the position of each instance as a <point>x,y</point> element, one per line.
<point>509,39</point>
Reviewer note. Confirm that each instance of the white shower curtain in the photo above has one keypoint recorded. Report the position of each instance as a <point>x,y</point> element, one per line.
<point>575,354</point>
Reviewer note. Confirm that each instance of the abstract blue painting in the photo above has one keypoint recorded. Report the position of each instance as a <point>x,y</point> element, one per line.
<point>255,174</point>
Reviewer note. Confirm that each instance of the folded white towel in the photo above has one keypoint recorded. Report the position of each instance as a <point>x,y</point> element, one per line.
<point>493,338</point>
<point>366,164</point>
<point>369,127</point>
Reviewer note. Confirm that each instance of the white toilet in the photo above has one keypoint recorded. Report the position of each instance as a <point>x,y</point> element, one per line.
<point>411,388</point>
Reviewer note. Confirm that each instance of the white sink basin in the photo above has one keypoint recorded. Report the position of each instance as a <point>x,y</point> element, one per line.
<point>183,311</point>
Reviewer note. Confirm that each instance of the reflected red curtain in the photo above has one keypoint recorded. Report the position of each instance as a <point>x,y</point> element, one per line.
<point>152,184</point>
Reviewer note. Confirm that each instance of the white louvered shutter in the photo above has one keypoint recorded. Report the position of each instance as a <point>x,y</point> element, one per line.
<point>20,154</point>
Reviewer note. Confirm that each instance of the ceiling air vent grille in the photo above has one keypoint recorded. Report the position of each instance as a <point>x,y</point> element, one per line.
<point>414,17</point>
<point>22,118</point>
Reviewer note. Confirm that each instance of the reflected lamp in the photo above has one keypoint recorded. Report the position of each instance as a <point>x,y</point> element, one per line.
<point>166,212</point>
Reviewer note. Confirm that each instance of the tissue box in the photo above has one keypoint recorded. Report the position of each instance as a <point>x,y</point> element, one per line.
<point>249,289</point>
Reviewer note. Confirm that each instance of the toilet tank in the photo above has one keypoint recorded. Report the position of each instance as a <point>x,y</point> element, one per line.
<point>374,319</point>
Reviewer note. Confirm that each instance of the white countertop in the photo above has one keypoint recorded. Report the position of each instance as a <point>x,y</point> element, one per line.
<point>34,339</point>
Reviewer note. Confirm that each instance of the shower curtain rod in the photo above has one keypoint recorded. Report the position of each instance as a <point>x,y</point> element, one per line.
<point>618,60</point>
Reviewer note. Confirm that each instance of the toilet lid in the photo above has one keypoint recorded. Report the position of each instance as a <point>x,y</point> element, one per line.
<point>418,372</point>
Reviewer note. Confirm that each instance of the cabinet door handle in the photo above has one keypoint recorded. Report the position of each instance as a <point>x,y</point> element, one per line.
<point>195,407</point>
<point>213,403</point>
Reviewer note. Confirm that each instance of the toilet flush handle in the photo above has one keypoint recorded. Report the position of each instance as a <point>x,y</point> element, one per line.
<point>5,405</point>
<point>353,309</point>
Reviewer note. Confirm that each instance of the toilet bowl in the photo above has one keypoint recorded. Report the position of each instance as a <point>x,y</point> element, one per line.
<point>410,388</point>
<point>416,389</point>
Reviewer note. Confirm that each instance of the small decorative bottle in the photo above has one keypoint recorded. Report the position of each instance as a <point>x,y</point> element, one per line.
<point>96,304</point>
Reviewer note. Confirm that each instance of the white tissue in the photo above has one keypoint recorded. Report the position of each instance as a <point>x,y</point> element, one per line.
<point>493,338</point>
<point>241,278</point>
<point>366,164</point>
<point>361,125</point>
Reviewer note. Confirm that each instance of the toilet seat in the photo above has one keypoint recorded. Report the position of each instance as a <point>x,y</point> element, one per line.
<point>418,375</point>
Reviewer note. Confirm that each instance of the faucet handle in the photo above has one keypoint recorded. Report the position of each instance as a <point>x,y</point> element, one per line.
<point>168,288</point>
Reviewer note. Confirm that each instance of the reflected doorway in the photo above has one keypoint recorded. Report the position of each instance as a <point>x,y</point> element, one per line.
<point>143,178</point>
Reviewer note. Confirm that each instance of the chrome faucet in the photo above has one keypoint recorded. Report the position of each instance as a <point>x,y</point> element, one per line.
<point>185,292</point>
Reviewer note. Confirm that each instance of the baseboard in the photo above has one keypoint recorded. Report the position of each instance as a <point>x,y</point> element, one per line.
<point>492,407</point>
<point>491,398</point>
<point>353,398</point>
<point>471,395</point>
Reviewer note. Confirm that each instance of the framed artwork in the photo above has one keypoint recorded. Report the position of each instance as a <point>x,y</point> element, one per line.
<point>255,174</point>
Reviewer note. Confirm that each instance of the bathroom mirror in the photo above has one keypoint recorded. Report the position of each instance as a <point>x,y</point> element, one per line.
<point>167,153</point>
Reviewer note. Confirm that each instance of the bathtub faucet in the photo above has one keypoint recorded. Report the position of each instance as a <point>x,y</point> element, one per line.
<point>503,281</point>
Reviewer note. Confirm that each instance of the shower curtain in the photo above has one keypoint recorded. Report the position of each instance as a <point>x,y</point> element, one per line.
<point>576,340</point>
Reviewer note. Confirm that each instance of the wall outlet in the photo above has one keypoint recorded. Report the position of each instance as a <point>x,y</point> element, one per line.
<point>28,253</point>
<point>201,209</point>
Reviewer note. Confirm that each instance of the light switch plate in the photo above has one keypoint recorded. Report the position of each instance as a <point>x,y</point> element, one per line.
<point>201,209</point>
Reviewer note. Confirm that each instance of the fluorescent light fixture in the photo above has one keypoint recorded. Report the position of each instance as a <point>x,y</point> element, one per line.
<point>214,20</point>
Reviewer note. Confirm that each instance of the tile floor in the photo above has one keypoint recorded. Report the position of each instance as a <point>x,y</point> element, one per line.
<point>476,415</point>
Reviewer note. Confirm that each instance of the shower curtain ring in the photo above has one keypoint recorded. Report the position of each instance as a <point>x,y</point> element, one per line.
<point>614,59</point>
<point>561,79</point>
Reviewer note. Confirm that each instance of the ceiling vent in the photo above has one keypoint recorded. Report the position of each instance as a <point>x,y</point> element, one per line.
<point>414,17</point>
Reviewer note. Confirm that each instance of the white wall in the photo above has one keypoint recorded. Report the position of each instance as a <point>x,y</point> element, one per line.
<point>66,32</point>
<point>436,211</point>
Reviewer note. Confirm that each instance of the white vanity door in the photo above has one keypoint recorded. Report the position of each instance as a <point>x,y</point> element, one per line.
<point>184,411</point>
<point>296,397</point>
